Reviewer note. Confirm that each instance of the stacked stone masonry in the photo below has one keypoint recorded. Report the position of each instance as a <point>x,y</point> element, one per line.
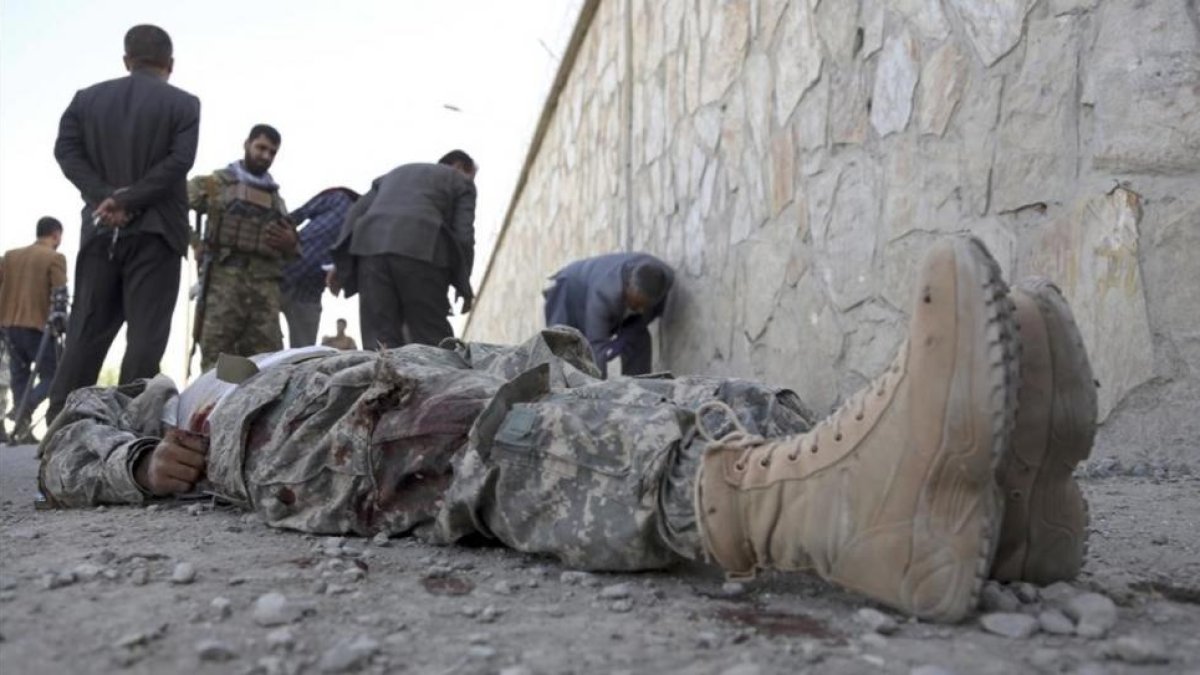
<point>793,158</point>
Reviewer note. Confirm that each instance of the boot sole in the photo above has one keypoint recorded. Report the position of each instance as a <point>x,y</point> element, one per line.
<point>1056,546</point>
<point>1002,358</point>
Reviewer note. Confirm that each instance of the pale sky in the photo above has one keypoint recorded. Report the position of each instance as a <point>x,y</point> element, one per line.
<point>355,88</point>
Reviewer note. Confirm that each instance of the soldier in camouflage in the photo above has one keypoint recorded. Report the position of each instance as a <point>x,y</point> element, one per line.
<point>247,239</point>
<point>528,446</point>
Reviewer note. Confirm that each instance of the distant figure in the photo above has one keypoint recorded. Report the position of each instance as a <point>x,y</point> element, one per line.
<point>32,279</point>
<point>341,340</point>
<point>403,245</point>
<point>303,279</point>
<point>247,236</point>
<point>612,299</point>
<point>127,144</point>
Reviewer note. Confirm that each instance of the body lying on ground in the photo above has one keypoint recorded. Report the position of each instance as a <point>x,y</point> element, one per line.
<point>895,495</point>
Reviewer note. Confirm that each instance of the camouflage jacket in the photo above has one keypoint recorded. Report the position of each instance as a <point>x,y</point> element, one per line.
<point>344,442</point>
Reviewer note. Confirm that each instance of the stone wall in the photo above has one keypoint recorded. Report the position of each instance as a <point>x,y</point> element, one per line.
<point>793,159</point>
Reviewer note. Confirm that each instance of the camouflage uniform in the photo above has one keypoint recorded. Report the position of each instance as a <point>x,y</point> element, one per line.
<point>525,445</point>
<point>242,303</point>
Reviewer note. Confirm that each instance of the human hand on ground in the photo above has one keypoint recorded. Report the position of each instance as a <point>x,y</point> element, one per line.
<point>174,466</point>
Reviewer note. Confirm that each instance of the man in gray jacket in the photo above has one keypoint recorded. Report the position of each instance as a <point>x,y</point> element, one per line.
<point>409,239</point>
<point>612,299</point>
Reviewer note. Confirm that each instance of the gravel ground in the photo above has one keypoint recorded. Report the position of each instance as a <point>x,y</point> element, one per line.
<point>181,587</point>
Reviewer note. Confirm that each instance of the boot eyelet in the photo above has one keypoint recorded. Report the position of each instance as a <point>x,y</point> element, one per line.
<point>764,462</point>
<point>793,457</point>
<point>838,437</point>
<point>858,418</point>
<point>814,449</point>
<point>739,467</point>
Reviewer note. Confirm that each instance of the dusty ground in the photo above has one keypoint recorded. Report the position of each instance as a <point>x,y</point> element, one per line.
<point>90,591</point>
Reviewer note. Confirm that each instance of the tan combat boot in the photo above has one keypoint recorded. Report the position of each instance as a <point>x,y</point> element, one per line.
<point>894,495</point>
<point>1044,535</point>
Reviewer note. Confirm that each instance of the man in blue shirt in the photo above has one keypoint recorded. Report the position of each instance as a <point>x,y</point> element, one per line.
<point>303,279</point>
<point>612,299</point>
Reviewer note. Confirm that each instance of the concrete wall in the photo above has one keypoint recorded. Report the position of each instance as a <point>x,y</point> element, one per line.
<point>794,158</point>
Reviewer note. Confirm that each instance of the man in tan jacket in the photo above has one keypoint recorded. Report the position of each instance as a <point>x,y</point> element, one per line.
<point>28,279</point>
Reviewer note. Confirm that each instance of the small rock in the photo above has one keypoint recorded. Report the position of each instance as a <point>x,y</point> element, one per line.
<point>438,571</point>
<point>250,518</point>
<point>381,540</point>
<point>215,650</point>
<point>271,665</point>
<point>616,592</point>
<point>281,639</point>
<point>571,578</point>
<point>53,580</point>
<point>481,652</point>
<point>7,583</point>
<point>1055,622</point>
<point>142,637</point>
<point>503,587</point>
<point>139,576</point>
<point>996,598</point>
<point>185,573</point>
<point>1094,614</point>
<point>489,614</point>
<point>621,606</point>
<point>1009,625</point>
<point>470,611</point>
<point>1058,593</point>
<point>273,609</point>
<point>1137,650</point>
<point>478,639</point>
<point>86,571</point>
<point>348,655</point>
<point>222,607</point>
<point>110,574</point>
<point>338,589</point>
<point>515,670</point>
<point>195,509</point>
<point>876,621</point>
<point>151,508</point>
<point>732,589</point>
<point>1025,592</point>
<point>707,640</point>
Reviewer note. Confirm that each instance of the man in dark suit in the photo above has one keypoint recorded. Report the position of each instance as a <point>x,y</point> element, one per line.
<point>127,144</point>
<point>403,245</point>
<point>612,299</point>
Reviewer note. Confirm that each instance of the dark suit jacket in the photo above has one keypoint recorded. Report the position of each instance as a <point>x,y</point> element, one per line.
<point>589,295</point>
<point>139,133</point>
<point>421,211</point>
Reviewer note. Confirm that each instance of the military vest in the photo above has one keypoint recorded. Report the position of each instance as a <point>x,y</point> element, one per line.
<point>238,216</point>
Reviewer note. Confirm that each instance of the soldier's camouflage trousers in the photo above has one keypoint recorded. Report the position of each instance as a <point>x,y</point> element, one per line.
<point>241,310</point>
<point>524,445</point>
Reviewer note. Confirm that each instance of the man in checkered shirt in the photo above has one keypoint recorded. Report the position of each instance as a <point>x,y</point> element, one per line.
<point>303,279</point>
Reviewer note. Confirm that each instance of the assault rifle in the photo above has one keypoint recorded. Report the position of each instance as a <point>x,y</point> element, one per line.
<point>205,262</point>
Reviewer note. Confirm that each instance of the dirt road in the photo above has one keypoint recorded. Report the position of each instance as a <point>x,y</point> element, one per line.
<point>188,588</point>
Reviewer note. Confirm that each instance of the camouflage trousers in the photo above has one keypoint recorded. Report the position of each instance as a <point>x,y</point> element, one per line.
<point>598,473</point>
<point>241,313</point>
